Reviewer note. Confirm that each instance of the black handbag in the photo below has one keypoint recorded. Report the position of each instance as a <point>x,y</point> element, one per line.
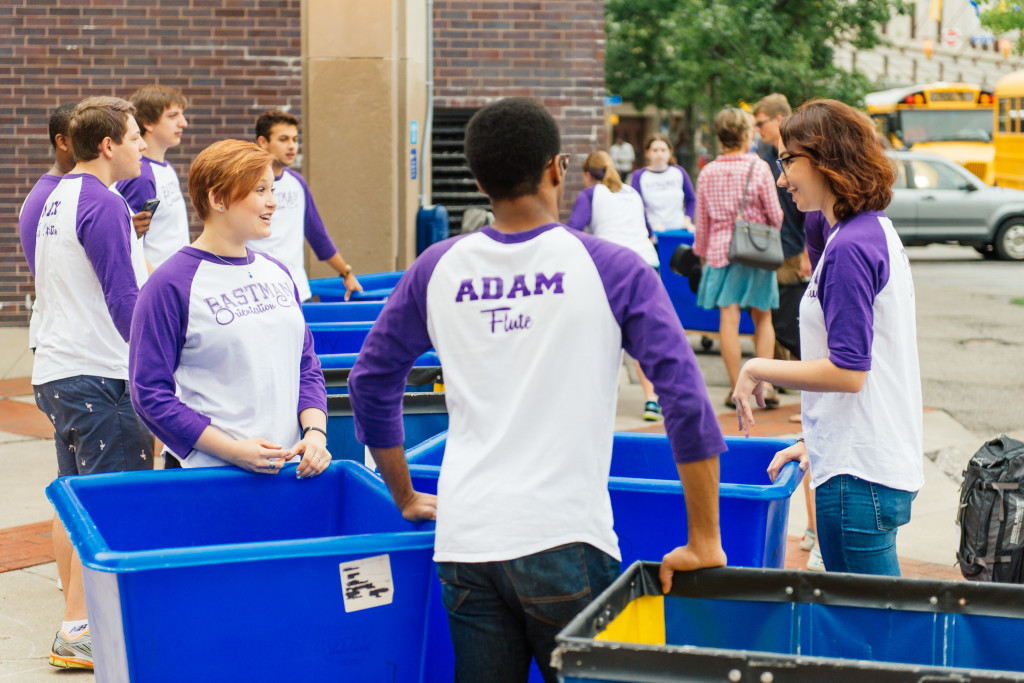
<point>755,244</point>
<point>684,262</point>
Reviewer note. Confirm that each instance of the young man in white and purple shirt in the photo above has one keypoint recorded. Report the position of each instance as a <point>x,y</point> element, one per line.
<point>296,220</point>
<point>530,319</point>
<point>86,290</point>
<point>160,111</point>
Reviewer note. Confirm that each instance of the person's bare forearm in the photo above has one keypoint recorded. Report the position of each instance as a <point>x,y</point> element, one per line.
<point>700,489</point>
<point>395,471</point>
<point>807,375</point>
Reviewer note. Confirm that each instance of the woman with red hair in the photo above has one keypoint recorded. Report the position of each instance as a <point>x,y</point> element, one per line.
<point>861,402</point>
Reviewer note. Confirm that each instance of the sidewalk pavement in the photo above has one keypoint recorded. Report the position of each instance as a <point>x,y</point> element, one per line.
<point>31,604</point>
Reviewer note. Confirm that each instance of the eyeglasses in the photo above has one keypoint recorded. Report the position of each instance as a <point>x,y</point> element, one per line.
<point>785,162</point>
<point>563,161</point>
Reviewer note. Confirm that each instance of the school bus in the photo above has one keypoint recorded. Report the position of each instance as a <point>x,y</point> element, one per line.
<point>954,120</point>
<point>1009,131</point>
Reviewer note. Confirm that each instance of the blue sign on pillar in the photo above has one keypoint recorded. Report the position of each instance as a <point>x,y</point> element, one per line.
<point>412,164</point>
<point>414,133</point>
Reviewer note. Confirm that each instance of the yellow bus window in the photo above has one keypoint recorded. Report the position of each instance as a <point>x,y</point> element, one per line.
<point>1004,114</point>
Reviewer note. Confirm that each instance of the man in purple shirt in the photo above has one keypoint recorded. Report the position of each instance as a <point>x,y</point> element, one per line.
<point>63,162</point>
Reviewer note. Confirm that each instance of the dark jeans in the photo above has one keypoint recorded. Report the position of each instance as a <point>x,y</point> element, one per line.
<point>501,614</point>
<point>857,523</point>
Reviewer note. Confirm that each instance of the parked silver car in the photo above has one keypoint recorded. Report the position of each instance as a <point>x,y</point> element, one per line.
<point>936,200</point>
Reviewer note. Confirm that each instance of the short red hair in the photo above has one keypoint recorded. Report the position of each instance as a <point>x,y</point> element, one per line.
<point>230,169</point>
<point>842,145</point>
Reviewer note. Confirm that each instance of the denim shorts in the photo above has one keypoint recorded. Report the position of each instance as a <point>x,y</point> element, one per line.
<point>95,428</point>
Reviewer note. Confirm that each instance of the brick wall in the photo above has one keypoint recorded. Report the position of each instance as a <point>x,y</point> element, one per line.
<point>235,58</point>
<point>549,49</point>
<point>231,59</point>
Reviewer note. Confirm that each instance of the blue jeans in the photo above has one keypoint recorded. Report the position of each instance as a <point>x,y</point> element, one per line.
<point>502,614</point>
<point>857,523</point>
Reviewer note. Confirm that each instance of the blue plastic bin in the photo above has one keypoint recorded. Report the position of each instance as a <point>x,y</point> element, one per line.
<point>337,338</point>
<point>250,576</point>
<point>645,490</point>
<point>342,311</point>
<point>424,414</point>
<point>650,512</point>
<point>376,287</point>
<point>735,624</point>
<point>693,317</point>
<point>336,368</point>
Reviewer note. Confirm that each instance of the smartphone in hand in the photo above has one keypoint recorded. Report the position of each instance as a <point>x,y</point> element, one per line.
<point>151,205</point>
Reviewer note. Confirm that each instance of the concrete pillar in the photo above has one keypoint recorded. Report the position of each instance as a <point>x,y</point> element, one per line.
<point>364,72</point>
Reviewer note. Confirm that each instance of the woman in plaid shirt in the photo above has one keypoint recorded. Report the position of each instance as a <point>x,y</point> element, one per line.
<point>730,287</point>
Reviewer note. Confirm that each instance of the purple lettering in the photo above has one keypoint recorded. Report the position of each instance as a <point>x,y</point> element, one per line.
<point>265,290</point>
<point>239,295</point>
<point>466,290</point>
<point>519,285</point>
<point>253,292</point>
<point>501,320</point>
<point>494,293</point>
<point>225,301</point>
<point>212,303</point>
<point>544,281</point>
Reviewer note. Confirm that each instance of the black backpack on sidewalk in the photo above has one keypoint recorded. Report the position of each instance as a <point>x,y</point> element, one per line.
<point>991,513</point>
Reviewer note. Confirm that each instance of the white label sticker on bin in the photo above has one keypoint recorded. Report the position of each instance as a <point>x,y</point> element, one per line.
<point>367,583</point>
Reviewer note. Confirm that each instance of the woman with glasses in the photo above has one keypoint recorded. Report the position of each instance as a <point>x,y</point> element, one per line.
<point>615,212</point>
<point>731,287</point>
<point>666,189</point>
<point>861,402</point>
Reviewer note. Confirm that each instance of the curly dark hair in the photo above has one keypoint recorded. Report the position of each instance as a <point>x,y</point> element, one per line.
<point>509,144</point>
<point>842,145</point>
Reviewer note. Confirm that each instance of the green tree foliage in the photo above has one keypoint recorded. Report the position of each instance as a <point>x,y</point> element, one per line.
<point>676,54</point>
<point>1000,16</point>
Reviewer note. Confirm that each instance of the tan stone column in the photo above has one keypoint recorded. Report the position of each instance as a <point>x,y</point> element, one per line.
<point>364,71</point>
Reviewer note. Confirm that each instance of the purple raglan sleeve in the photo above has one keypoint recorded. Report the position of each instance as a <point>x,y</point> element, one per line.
<point>315,231</point>
<point>158,332</point>
<point>377,381</point>
<point>103,226</point>
<point>852,274</point>
<point>31,212</point>
<point>137,191</point>
<point>815,231</point>
<point>581,210</point>
<point>689,196</point>
<point>652,334</point>
<point>634,182</point>
<point>312,389</point>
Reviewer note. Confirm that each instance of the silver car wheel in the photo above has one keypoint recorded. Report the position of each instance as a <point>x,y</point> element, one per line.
<point>1010,241</point>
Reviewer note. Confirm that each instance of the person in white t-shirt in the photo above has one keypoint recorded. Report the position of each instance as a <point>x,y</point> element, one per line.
<point>296,220</point>
<point>861,403</point>
<point>615,212</point>
<point>623,155</point>
<point>164,230</point>
<point>219,326</point>
<point>530,319</point>
<point>665,187</point>
<point>86,290</point>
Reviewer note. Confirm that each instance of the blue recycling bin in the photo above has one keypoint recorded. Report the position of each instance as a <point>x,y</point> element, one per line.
<point>693,317</point>
<point>335,338</point>
<point>336,367</point>
<point>376,287</point>
<point>342,311</point>
<point>324,568</point>
<point>424,414</point>
<point>432,225</point>
<point>650,512</point>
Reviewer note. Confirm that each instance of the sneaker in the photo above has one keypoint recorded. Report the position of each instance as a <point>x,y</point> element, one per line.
<point>807,542</point>
<point>72,653</point>
<point>814,562</point>
<point>652,411</point>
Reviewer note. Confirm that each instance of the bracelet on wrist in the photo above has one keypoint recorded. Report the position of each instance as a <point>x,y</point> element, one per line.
<point>347,271</point>
<point>799,439</point>
<point>315,429</point>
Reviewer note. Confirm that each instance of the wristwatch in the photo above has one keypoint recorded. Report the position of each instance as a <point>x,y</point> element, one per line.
<point>348,271</point>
